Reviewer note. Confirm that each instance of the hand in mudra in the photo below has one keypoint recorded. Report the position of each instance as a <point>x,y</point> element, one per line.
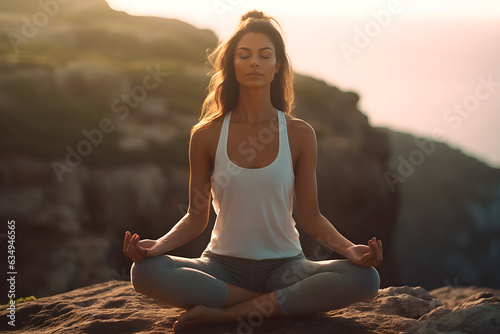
<point>137,250</point>
<point>366,255</point>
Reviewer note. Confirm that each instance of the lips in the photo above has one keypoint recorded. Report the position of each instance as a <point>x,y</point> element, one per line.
<point>257,74</point>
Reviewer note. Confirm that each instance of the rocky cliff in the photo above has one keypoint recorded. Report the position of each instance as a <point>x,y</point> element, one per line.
<point>449,223</point>
<point>99,105</point>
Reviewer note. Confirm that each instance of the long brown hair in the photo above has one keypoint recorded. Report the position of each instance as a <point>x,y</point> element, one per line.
<point>223,89</point>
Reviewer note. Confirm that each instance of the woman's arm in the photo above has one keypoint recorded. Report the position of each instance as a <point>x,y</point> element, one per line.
<point>196,218</point>
<point>309,216</point>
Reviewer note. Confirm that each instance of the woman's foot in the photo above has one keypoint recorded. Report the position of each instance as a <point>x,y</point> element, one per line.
<point>267,305</point>
<point>199,315</point>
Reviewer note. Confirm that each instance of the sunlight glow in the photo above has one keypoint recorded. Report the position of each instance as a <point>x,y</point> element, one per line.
<point>423,60</point>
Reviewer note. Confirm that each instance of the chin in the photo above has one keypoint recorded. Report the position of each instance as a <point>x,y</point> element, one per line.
<point>254,84</point>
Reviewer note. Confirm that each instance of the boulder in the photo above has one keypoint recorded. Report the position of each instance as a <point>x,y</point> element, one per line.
<point>114,307</point>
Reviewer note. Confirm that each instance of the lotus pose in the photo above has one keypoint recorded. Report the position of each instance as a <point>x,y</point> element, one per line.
<point>253,159</point>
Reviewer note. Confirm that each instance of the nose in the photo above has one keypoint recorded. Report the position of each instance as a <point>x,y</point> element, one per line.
<point>254,61</point>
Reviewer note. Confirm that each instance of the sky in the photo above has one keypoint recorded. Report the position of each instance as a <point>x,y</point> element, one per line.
<point>427,67</point>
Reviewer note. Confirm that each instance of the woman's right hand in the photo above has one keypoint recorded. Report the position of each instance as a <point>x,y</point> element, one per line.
<point>139,250</point>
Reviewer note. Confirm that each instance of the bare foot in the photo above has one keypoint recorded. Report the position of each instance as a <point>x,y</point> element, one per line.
<point>199,315</point>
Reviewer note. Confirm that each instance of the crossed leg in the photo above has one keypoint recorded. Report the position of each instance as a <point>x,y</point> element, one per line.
<point>297,287</point>
<point>183,282</point>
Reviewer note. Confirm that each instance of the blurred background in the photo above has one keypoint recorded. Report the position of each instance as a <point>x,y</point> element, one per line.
<point>97,100</point>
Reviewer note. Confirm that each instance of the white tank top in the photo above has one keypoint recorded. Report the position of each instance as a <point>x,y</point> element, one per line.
<point>254,205</point>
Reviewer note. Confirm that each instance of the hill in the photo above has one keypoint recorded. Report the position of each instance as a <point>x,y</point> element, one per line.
<point>449,221</point>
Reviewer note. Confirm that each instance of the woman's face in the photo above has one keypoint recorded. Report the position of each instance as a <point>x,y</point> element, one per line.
<point>255,60</point>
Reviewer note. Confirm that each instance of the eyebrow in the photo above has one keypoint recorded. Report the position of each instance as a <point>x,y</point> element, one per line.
<point>247,49</point>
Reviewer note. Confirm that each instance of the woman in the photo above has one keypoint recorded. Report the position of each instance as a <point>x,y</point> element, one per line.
<point>253,158</point>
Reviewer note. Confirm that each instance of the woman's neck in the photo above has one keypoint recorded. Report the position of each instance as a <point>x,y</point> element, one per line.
<point>254,106</point>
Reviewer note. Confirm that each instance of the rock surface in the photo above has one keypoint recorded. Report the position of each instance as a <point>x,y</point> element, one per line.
<point>114,307</point>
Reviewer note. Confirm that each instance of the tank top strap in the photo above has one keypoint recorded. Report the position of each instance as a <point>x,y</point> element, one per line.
<point>224,133</point>
<point>284,149</point>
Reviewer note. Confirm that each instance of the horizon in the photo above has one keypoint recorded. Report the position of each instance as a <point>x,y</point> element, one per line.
<point>416,66</point>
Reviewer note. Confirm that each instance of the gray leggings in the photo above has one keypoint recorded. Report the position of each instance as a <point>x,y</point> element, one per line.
<point>303,286</point>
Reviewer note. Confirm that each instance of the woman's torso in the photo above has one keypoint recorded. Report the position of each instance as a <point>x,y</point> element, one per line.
<point>252,188</point>
<point>239,132</point>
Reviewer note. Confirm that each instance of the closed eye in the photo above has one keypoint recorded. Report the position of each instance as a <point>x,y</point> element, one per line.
<point>246,57</point>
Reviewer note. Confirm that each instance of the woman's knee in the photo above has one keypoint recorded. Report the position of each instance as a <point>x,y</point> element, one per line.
<point>369,282</point>
<point>143,273</point>
<point>364,280</point>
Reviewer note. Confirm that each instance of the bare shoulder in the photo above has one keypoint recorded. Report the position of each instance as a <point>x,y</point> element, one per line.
<point>302,139</point>
<point>299,130</point>
<point>204,140</point>
<point>207,133</point>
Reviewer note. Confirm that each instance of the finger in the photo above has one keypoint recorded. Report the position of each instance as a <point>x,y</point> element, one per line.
<point>373,251</point>
<point>131,248</point>
<point>128,250</point>
<point>378,249</point>
<point>138,250</point>
<point>376,243</point>
<point>378,252</point>
<point>126,241</point>
<point>135,246</point>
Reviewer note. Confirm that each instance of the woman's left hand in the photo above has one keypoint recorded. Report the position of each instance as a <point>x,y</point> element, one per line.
<point>365,256</point>
<point>138,250</point>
